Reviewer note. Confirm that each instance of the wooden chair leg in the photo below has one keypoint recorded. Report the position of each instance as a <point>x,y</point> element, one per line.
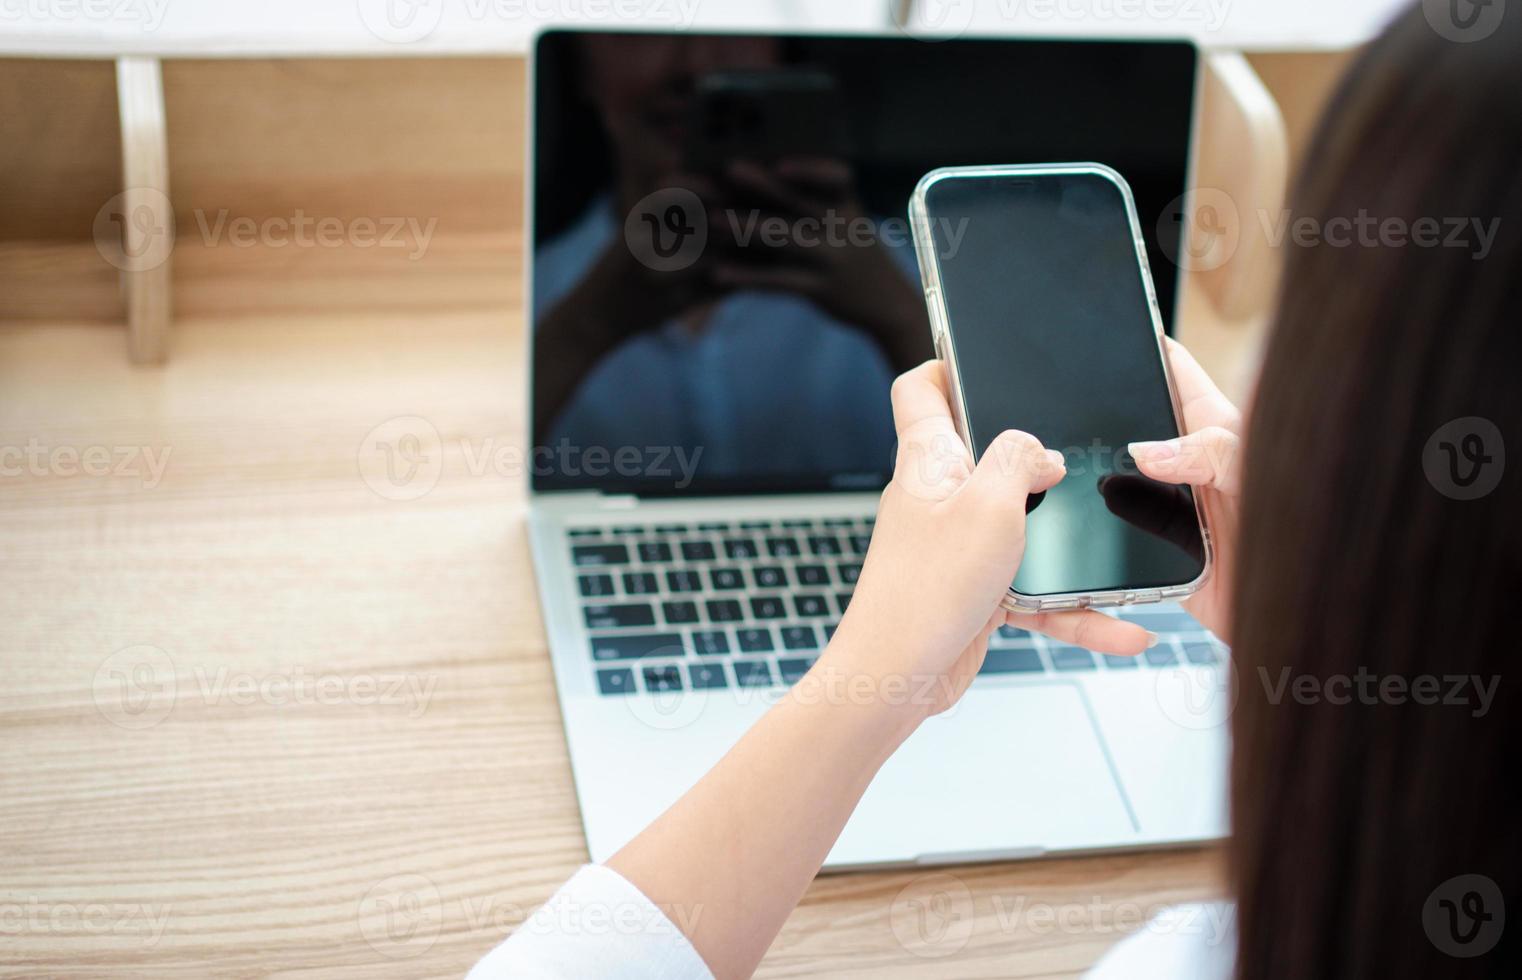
<point>146,217</point>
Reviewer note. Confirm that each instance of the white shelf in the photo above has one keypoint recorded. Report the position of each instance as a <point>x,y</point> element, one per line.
<point>370,28</point>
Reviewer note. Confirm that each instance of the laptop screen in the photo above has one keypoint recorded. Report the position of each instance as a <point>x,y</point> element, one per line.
<point>723,281</point>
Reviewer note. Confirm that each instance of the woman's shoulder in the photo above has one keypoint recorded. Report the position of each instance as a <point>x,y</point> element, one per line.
<point>1186,942</point>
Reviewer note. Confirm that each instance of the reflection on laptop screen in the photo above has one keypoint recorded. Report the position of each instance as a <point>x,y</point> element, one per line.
<point>723,281</point>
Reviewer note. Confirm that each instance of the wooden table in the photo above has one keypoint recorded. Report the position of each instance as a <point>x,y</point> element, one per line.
<point>250,705</point>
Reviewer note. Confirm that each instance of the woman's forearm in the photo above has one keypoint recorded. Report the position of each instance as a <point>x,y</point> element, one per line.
<point>739,849</point>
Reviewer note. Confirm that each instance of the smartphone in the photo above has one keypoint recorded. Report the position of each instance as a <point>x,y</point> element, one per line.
<point>1042,306</point>
<point>763,116</point>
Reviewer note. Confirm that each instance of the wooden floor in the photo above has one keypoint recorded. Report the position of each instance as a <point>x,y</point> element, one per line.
<point>258,719</point>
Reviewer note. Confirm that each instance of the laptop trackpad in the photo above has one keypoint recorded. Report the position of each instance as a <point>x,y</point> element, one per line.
<point>1012,770</point>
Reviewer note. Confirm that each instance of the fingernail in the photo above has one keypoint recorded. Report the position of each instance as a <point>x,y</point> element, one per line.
<point>1152,639</point>
<point>1166,449</point>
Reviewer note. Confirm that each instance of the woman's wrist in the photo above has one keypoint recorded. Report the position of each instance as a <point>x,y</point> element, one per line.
<point>854,671</point>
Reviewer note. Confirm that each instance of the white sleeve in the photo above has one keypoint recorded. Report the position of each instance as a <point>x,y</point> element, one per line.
<point>596,926</point>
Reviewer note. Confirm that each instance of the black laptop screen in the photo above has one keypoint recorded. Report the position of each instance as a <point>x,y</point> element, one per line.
<point>723,283</point>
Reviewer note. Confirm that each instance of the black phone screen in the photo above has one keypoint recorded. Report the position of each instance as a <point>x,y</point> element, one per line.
<point>1051,329</point>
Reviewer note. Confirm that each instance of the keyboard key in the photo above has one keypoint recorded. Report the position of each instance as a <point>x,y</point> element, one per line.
<point>584,555</point>
<point>654,551</point>
<point>625,614</point>
<point>1010,634</point>
<point>755,525</point>
<point>740,548</point>
<point>680,612</point>
<point>726,578</point>
<point>753,673</point>
<point>1200,653</point>
<point>829,631</point>
<point>1072,658</point>
<point>1162,619</point>
<point>708,643</point>
<point>584,532</point>
<point>1161,656</point>
<point>767,607</point>
<point>628,529</point>
<point>636,646</point>
<point>713,526</point>
<point>849,573</point>
<point>595,585</point>
<point>770,577</point>
<point>824,544</point>
<point>809,606</point>
<point>842,600</point>
<point>859,543</point>
<point>707,676</point>
<point>1121,663</point>
<point>1022,661</point>
<point>698,551</point>
<point>837,522</point>
<point>667,678</point>
<point>782,547</point>
<point>615,680</point>
<point>641,583</point>
<point>724,611</point>
<point>792,668</point>
<point>755,640</point>
<point>812,575</point>
<point>798,525</point>
<point>800,638</point>
<point>671,529</point>
<point>684,581</point>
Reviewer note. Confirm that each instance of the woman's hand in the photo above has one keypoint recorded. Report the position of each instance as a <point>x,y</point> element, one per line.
<point>948,541</point>
<point>1207,459</point>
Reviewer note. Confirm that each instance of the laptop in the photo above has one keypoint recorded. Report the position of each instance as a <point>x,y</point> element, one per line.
<point>721,287</point>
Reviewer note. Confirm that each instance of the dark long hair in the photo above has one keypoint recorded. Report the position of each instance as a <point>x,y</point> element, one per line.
<point>1378,543</point>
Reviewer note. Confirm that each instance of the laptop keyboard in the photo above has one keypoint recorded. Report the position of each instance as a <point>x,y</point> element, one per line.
<point>749,604</point>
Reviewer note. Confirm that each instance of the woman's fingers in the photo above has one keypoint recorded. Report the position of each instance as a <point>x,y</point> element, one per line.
<point>932,459</point>
<point>1207,458</point>
<point>1088,629</point>
<point>1014,466</point>
<point>1203,403</point>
